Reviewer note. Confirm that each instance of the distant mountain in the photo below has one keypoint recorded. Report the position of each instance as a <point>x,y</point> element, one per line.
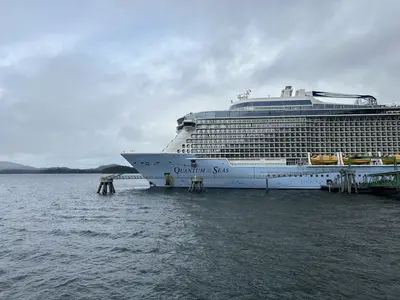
<point>118,169</point>
<point>12,168</point>
<point>106,166</point>
<point>6,165</point>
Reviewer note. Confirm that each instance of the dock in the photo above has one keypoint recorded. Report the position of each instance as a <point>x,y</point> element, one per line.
<point>386,183</point>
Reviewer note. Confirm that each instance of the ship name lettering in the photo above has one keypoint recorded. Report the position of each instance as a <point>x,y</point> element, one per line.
<point>178,170</point>
<point>220,170</point>
<point>214,170</point>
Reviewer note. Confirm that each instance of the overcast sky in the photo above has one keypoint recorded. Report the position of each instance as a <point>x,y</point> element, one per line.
<point>80,81</point>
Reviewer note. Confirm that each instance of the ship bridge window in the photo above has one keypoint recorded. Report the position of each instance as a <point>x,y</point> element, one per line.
<point>272,103</point>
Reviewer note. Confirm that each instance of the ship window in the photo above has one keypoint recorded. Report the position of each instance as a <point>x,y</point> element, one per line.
<point>183,150</point>
<point>183,145</point>
<point>179,150</point>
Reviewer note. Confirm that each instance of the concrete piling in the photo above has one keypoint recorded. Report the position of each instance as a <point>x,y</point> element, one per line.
<point>348,181</point>
<point>196,184</point>
<point>106,185</point>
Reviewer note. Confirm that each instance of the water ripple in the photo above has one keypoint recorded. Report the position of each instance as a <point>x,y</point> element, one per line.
<point>67,242</point>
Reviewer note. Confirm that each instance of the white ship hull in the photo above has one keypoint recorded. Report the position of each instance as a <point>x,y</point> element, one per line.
<point>220,173</point>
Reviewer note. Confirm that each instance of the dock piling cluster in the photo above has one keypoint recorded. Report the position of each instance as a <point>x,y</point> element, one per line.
<point>196,184</point>
<point>106,185</point>
<point>345,183</point>
<point>348,181</point>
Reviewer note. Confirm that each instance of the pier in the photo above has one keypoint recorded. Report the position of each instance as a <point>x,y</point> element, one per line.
<point>386,183</point>
<point>107,182</point>
<point>344,182</point>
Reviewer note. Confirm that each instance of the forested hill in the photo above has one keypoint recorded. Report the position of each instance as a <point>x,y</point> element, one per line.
<point>110,169</point>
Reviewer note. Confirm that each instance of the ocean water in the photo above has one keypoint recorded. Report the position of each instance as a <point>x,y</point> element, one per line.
<point>61,240</point>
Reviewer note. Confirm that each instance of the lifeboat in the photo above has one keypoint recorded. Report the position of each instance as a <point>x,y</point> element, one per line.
<point>356,160</point>
<point>324,160</point>
<point>388,161</point>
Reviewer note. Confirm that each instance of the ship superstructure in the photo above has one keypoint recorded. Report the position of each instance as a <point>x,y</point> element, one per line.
<point>291,130</point>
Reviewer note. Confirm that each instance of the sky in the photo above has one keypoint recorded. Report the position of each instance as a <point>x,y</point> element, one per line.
<point>81,81</point>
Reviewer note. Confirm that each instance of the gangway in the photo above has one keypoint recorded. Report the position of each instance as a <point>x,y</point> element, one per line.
<point>124,176</point>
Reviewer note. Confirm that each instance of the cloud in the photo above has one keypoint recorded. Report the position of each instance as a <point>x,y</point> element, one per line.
<point>46,46</point>
<point>80,82</point>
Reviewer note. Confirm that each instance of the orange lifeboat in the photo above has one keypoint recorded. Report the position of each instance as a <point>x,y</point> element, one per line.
<point>388,161</point>
<point>324,160</point>
<point>356,160</point>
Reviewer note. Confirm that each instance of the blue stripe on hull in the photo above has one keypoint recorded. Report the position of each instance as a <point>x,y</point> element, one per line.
<point>219,173</point>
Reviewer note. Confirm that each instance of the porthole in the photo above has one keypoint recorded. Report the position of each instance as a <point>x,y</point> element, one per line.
<point>183,150</point>
<point>179,150</point>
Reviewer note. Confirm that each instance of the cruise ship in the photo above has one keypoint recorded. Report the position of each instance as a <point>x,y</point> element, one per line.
<point>296,141</point>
